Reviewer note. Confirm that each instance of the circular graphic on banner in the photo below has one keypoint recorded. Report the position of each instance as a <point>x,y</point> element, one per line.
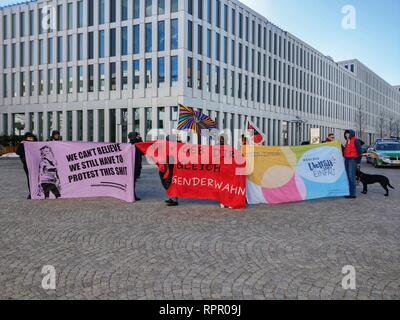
<point>277,176</point>
<point>321,165</point>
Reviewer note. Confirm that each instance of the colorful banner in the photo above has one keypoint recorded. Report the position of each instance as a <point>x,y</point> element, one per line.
<point>80,169</point>
<point>290,174</point>
<point>199,171</point>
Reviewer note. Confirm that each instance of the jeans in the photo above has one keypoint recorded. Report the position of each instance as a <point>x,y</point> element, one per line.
<point>351,170</point>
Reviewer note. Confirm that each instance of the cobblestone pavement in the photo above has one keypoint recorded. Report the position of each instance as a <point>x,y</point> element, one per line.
<point>108,249</point>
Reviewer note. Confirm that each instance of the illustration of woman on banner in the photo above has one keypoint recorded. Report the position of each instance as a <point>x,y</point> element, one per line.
<point>49,180</point>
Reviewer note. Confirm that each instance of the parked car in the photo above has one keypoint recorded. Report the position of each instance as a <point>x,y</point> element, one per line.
<point>385,154</point>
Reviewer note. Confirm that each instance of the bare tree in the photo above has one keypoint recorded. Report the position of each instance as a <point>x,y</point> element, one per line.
<point>397,128</point>
<point>360,120</point>
<point>391,125</point>
<point>380,122</point>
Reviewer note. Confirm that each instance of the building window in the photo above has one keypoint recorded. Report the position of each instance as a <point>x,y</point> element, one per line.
<point>90,13</point>
<point>59,81</point>
<point>113,10</point>
<point>80,78</point>
<point>161,7</point>
<point>161,36</point>
<point>50,51</point>
<point>124,75</point>
<point>59,17</point>
<point>90,45</point>
<point>174,34</point>
<point>14,54</point>
<point>49,82</point>
<point>59,49</point>
<point>69,48</point>
<point>22,84</point>
<point>209,11</point>
<point>161,72</point>
<point>41,51</point>
<point>209,43</point>
<point>31,23</point>
<point>124,41</point>
<point>13,25</point>
<point>70,78</point>
<point>200,9</point>
<point>217,47</point>
<point>174,5</point>
<point>218,13</point>
<point>113,45</point>
<point>149,37</point>
<point>174,71</point>
<point>136,74</point>
<point>22,54</point>
<point>208,77</point>
<point>148,119</point>
<point>217,82</point>
<point>101,12</point>
<point>148,8</point>
<point>22,24</point>
<point>70,16</point>
<point>136,9</point>
<point>190,35</point>
<point>90,78</point>
<point>113,76</point>
<point>5,27</point>
<point>226,17</point>
<point>136,39</point>
<point>5,57</point>
<point>148,73</point>
<point>13,85</point>
<point>199,75</point>
<point>31,53</point>
<point>200,39</point>
<point>101,44</point>
<point>190,73</point>
<point>80,14</point>
<point>102,77</point>
<point>80,46</point>
<point>41,83</point>
<point>5,94</point>
<point>124,10</point>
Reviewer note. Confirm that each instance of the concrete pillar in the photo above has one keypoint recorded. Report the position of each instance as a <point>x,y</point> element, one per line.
<point>64,131</point>
<point>27,123</point>
<point>142,122</point>
<point>35,121</point>
<point>55,122</point>
<point>118,129</point>
<point>85,125</point>
<point>106,124</point>
<point>96,125</point>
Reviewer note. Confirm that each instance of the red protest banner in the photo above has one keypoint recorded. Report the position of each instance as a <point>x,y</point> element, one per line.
<point>199,171</point>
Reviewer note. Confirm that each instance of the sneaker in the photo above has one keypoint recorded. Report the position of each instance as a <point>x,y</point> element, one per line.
<point>137,199</point>
<point>169,201</point>
<point>350,197</point>
<point>173,204</point>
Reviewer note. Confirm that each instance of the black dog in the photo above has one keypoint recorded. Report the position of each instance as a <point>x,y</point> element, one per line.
<point>367,179</point>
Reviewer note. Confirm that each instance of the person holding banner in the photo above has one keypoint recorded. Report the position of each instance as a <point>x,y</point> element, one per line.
<point>352,153</point>
<point>135,138</point>
<point>28,137</point>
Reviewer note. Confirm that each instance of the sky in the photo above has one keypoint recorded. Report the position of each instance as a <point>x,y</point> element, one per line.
<point>375,41</point>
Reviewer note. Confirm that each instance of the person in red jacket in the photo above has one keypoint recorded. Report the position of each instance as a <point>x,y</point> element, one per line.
<point>352,153</point>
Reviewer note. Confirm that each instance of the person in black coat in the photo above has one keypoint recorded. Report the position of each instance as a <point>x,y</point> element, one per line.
<point>134,138</point>
<point>28,137</point>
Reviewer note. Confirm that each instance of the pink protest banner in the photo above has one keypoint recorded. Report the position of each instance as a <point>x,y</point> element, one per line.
<point>80,169</point>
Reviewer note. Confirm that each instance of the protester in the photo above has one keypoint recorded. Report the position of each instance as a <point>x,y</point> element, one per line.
<point>352,153</point>
<point>55,136</point>
<point>166,172</point>
<point>330,138</point>
<point>134,138</point>
<point>222,144</point>
<point>28,137</point>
